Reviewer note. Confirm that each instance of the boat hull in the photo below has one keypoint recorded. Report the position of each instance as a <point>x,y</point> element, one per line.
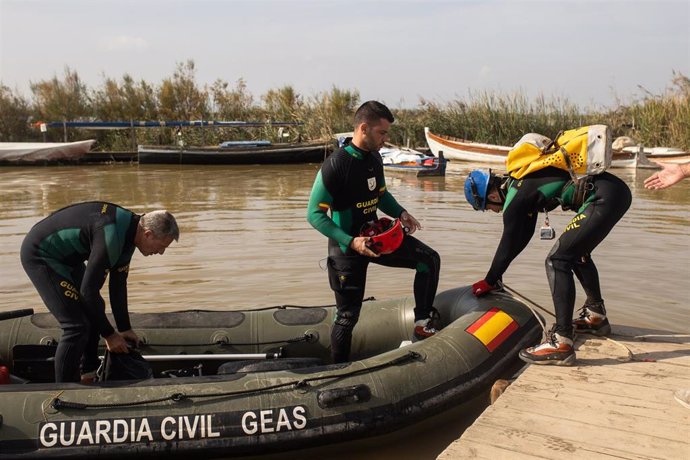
<point>29,153</point>
<point>385,388</point>
<point>274,154</point>
<point>463,150</point>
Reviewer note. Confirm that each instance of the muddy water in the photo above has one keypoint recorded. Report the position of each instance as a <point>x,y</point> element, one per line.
<point>245,241</point>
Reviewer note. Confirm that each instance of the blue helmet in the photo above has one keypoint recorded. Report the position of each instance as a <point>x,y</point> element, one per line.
<point>476,188</point>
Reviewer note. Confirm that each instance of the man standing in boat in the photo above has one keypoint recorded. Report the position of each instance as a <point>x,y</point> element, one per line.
<point>352,186</point>
<point>603,202</point>
<point>68,256</point>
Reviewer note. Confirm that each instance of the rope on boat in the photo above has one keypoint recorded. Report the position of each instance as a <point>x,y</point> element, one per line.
<point>58,403</point>
<point>539,320</point>
<point>630,355</point>
<point>284,307</point>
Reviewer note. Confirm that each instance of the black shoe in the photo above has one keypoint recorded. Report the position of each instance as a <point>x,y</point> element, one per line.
<point>592,320</point>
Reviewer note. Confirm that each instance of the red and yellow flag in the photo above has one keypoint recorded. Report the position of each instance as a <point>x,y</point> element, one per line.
<point>493,328</point>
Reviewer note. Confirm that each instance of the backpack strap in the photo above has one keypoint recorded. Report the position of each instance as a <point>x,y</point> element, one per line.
<point>582,186</point>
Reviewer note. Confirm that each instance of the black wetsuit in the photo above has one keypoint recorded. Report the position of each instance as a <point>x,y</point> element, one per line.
<point>543,190</point>
<point>351,184</point>
<point>67,256</point>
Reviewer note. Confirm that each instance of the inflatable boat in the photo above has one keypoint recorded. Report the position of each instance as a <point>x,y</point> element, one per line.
<point>245,383</point>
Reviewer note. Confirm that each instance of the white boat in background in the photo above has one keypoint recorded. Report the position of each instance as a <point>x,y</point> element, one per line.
<point>658,154</point>
<point>43,152</point>
<point>463,150</point>
<point>404,159</point>
<point>628,157</point>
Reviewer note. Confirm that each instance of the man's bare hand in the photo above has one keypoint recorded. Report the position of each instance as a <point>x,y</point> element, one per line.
<point>410,223</point>
<point>359,245</point>
<point>115,343</point>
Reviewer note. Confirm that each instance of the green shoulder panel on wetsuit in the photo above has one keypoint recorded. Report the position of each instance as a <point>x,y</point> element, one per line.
<point>354,152</point>
<point>320,201</point>
<point>115,234</point>
<point>61,245</point>
<point>512,191</point>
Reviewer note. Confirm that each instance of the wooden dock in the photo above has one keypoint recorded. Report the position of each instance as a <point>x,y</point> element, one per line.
<point>616,402</point>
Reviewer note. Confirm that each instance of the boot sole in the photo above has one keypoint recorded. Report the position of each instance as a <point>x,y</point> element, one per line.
<point>601,332</point>
<point>569,361</point>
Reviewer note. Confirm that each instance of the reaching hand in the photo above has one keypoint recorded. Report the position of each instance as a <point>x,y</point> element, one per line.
<point>481,288</point>
<point>115,343</point>
<point>670,174</point>
<point>131,336</point>
<point>410,223</point>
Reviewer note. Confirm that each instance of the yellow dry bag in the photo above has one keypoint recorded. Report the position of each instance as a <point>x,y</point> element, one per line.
<point>583,151</point>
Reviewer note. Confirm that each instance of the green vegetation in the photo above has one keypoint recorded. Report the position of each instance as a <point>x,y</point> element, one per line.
<point>655,120</point>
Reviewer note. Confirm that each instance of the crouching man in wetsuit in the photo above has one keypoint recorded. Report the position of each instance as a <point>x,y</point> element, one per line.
<point>351,185</point>
<point>603,201</point>
<point>68,256</point>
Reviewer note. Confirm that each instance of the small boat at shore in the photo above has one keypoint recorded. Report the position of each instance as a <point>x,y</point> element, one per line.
<point>456,149</point>
<point>236,152</point>
<point>31,153</point>
<point>464,150</point>
<point>406,160</point>
<point>255,382</point>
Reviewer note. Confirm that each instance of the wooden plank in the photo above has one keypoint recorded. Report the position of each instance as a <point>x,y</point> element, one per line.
<point>648,378</point>
<point>607,406</point>
<point>623,414</point>
<point>653,399</point>
<point>525,443</point>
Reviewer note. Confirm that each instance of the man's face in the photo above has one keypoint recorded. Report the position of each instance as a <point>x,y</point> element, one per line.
<point>494,201</point>
<point>151,245</point>
<point>375,135</point>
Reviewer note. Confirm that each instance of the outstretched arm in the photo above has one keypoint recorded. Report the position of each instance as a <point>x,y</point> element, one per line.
<point>670,174</point>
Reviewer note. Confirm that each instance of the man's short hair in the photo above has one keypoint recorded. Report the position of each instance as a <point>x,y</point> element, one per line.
<point>161,223</point>
<point>371,112</point>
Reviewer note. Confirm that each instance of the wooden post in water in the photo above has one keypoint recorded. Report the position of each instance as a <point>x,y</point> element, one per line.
<point>133,135</point>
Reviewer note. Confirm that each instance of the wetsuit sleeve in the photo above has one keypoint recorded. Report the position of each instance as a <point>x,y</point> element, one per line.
<point>94,277</point>
<point>320,201</point>
<point>388,203</point>
<point>118,296</point>
<point>518,228</point>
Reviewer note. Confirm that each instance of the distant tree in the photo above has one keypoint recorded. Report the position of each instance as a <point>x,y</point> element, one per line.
<point>331,112</point>
<point>64,99</point>
<point>232,104</point>
<point>180,98</point>
<point>125,101</point>
<point>282,104</point>
<point>15,115</point>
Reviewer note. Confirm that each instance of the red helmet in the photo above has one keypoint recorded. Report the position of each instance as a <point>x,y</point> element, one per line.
<point>385,235</point>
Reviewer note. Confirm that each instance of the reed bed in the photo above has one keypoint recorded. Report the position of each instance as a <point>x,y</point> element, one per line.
<point>489,117</point>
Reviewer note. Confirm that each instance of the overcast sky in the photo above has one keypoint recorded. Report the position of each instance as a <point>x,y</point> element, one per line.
<point>590,52</point>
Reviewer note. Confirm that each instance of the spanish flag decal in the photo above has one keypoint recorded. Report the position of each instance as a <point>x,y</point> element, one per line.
<point>493,328</point>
